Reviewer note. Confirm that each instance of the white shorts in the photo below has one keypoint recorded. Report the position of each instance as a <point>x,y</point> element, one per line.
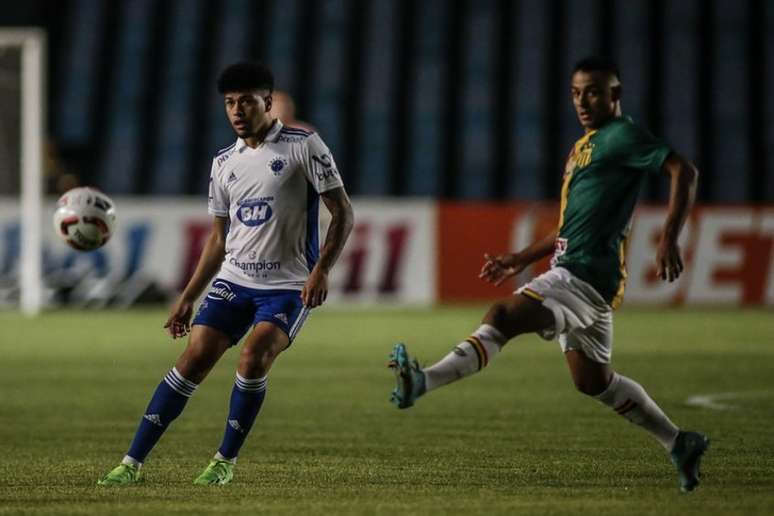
<point>582,319</point>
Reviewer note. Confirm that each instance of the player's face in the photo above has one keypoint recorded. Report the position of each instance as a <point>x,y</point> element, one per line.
<point>247,111</point>
<point>595,97</point>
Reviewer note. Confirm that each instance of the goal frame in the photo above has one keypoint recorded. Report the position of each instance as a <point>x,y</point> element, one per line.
<point>32,42</point>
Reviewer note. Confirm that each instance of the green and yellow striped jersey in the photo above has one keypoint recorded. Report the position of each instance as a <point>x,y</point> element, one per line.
<point>602,180</point>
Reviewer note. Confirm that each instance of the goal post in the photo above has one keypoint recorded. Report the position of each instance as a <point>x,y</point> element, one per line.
<point>31,43</point>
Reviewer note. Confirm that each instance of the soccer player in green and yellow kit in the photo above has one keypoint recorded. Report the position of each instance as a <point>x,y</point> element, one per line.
<point>575,299</point>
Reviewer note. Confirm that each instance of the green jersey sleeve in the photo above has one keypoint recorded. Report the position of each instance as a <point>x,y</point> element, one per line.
<point>636,148</point>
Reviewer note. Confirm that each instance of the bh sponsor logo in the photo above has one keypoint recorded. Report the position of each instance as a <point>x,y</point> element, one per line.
<point>221,290</point>
<point>256,267</point>
<point>254,212</point>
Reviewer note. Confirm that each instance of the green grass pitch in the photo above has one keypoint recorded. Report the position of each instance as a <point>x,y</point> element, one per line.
<point>516,439</point>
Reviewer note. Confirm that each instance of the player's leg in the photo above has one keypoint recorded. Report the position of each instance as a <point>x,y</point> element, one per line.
<point>205,347</point>
<point>622,394</point>
<point>261,347</point>
<point>630,400</point>
<point>278,318</point>
<point>505,319</point>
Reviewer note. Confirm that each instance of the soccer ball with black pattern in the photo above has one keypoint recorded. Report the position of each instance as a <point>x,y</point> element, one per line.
<point>84,218</point>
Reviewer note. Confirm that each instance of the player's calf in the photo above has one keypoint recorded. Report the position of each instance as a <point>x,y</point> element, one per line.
<point>468,357</point>
<point>630,401</point>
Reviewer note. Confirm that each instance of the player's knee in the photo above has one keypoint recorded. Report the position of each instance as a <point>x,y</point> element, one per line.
<point>255,361</point>
<point>590,386</point>
<point>510,317</point>
<point>195,363</point>
<point>499,317</point>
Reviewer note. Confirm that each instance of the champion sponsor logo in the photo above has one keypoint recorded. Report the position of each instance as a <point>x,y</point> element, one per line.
<point>256,266</point>
<point>254,212</point>
<point>282,317</point>
<point>277,164</point>
<point>221,290</point>
<point>154,418</point>
<point>233,423</point>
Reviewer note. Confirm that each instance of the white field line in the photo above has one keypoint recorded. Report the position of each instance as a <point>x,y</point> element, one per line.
<point>717,401</point>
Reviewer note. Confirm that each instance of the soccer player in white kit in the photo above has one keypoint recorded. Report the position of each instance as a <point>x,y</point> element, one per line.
<point>264,253</point>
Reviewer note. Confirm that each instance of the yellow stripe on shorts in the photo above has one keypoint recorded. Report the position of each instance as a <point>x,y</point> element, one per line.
<point>531,293</point>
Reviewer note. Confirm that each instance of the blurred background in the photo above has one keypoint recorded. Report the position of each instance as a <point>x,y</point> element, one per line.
<point>441,98</point>
<point>445,117</point>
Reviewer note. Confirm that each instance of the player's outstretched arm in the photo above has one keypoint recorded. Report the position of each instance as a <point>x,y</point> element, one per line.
<point>179,322</point>
<point>497,269</point>
<point>342,219</point>
<point>682,193</point>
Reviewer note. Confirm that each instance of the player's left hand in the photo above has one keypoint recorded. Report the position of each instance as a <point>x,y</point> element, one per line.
<point>315,289</point>
<point>497,269</point>
<point>669,264</point>
<point>179,322</point>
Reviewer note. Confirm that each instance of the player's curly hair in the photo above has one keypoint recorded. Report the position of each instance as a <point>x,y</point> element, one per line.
<point>597,64</point>
<point>245,76</point>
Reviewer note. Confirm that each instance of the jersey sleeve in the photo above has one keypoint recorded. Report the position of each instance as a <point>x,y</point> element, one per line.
<point>217,201</point>
<point>318,164</point>
<point>636,148</point>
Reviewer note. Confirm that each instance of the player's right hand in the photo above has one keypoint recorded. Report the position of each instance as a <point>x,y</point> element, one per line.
<point>179,322</point>
<point>497,269</point>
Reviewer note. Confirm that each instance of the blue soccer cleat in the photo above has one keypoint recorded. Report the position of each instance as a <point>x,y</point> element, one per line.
<point>686,456</point>
<point>409,378</point>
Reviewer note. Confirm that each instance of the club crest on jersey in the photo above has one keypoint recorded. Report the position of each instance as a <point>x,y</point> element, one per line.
<point>254,212</point>
<point>583,157</point>
<point>276,165</point>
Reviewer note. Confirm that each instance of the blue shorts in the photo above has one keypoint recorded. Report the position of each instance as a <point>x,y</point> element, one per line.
<point>234,309</point>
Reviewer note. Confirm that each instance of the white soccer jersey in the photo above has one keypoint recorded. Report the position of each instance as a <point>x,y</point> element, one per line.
<point>270,195</point>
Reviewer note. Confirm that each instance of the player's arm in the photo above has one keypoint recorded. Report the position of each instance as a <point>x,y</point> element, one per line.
<point>497,269</point>
<point>342,219</point>
<point>682,193</point>
<point>179,322</point>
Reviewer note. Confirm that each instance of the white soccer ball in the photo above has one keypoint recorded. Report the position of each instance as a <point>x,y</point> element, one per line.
<point>84,218</point>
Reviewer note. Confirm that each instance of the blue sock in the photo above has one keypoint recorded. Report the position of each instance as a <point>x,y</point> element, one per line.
<point>246,400</point>
<point>166,404</point>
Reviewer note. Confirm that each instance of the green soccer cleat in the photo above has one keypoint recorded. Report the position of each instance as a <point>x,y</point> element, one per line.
<point>122,475</point>
<point>686,456</point>
<point>218,472</point>
<point>409,378</point>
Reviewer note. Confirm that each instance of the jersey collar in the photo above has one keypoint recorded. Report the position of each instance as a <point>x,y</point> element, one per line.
<point>274,132</point>
<point>272,136</point>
